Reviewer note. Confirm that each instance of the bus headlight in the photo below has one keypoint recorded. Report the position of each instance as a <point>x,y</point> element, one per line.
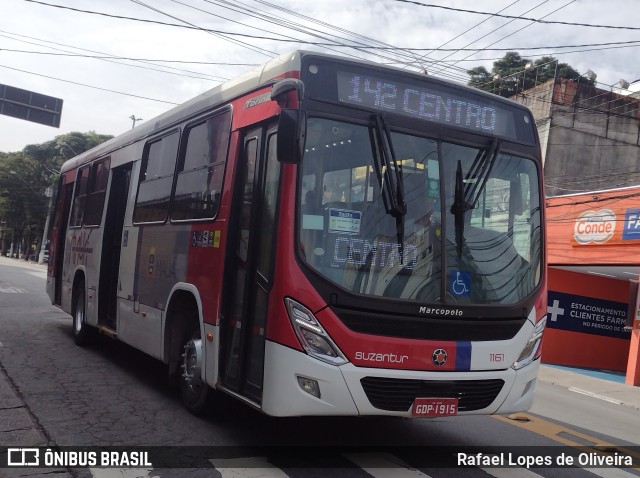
<point>533,349</point>
<point>315,341</point>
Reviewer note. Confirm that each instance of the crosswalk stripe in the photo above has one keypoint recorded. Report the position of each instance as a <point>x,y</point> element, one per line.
<point>247,468</point>
<point>121,472</point>
<point>611,473</point>
<point>510,473</point>
<point>383,465</point>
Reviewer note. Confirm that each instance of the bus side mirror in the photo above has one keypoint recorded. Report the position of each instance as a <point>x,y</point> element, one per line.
<point>292,128</point>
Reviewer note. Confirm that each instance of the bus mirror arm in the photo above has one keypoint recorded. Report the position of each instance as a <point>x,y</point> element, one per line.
<point>291,135</point>
<point>282,88</point>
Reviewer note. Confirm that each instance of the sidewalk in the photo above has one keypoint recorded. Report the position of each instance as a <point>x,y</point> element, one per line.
<point>608,388</point>
<point>17,425</point>
<point>12,261</point>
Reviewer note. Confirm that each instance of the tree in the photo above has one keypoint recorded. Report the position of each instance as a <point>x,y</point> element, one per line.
<point>24,178</point>
<point>510,74</point>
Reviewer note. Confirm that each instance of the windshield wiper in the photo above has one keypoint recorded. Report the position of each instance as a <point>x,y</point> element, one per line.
<point>476,180</point>
<point>479,172</point>
<point>389,174</point>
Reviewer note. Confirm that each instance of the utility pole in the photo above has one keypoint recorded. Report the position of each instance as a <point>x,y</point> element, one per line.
<point>134,119</point>
<point>48,193</point>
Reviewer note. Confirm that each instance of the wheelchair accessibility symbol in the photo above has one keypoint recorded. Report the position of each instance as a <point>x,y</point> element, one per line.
<point>460,282</point>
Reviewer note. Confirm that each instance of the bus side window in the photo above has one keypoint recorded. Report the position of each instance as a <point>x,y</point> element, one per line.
<point>200,174</point>
<point>79,197</point>
<point>96,192</point>
<point>156,179</point>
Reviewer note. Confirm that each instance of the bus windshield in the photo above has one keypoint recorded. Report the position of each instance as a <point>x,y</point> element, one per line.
<point>437,222</point>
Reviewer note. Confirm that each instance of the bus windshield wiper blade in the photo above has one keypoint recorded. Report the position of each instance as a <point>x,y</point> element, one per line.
<point>476,180</point>
<point>478,175</point>
<point>459,207</point>
<point>390,173</point>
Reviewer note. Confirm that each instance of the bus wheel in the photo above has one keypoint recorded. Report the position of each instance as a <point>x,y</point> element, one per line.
<point>196,394</point>
<point>83,334</point>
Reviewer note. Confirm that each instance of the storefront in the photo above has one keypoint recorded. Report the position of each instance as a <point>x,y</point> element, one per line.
<point>594,261</point>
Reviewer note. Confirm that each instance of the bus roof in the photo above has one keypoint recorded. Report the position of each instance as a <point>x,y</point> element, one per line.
<point>229,90</point>
<point>217,95</point>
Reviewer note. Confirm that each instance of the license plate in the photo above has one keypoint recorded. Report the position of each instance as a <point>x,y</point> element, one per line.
<point>434,407</point>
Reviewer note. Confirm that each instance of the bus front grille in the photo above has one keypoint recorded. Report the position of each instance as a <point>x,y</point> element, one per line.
<point>479,329</point>
<point>397,395</point>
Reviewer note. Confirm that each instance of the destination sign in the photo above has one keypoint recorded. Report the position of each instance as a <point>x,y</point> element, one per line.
<point>414,101</point>
<point>405,94</point>
<point>434,102</point>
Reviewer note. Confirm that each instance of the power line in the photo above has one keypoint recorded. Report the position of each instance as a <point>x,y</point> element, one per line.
<point>108,59</point>
<point>185,26</point>
<point>280,21</point>
<point>484,36</point>
<point>223,34</point>
<point>113,57</point>
<point>514,48</point>
<point>336,44</point>
<point>219,35</point>
<point>89,86</point>
<point>526,26</point>
<point>464,33</point>
<point>633,44</point>
<point>361,38</point>
<point>536,20</point>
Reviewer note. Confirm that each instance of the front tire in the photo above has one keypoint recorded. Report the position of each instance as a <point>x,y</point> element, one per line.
<point>83,334</point>
<point>196,394</point>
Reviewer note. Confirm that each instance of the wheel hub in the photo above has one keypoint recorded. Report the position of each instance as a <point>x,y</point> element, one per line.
<point>192,363</point>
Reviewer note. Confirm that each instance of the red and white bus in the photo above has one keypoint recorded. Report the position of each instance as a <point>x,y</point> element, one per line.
<point>320,236</point>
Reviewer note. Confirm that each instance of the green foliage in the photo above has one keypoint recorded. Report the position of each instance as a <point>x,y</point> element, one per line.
<point>510,75</point>
<point>24,179</point>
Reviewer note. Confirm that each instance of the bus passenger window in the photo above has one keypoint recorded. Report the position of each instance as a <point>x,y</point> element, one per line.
<point>96,192</point>
<point>79,198</point>
<point>156,179</point>
<point>200,174</point>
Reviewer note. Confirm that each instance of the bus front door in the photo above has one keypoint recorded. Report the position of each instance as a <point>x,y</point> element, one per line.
<point>61,220</point>
<point>111,245</point>
<point>249,264</point>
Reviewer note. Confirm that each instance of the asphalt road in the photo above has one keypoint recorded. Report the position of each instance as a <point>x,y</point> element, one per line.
<point>112,395</point>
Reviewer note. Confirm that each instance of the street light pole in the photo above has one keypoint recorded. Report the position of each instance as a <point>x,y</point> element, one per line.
<point>64,143</point>
<point>12,172</point>
<point>48,193</point>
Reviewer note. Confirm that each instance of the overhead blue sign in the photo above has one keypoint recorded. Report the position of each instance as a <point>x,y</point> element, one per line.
<point>587,315</point>
<point>631,224</point>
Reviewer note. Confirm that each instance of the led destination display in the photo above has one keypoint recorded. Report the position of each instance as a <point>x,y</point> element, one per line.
<point>433,102</point>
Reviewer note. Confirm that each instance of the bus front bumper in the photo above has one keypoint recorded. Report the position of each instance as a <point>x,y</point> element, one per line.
<point>350,390</point>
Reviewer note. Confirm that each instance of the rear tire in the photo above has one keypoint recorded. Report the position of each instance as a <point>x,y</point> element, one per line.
<point>83,334</point>
<point>196,394</point>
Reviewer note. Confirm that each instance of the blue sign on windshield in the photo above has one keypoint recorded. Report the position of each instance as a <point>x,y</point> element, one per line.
<point>460,283</point>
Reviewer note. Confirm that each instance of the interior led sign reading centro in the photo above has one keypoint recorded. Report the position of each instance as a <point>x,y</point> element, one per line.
<point>411,100</point>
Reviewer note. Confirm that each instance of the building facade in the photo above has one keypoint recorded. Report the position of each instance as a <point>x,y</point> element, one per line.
<point>591,154</point>
<point>590,136</point>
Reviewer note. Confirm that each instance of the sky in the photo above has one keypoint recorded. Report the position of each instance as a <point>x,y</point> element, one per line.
<point>111,61</point>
